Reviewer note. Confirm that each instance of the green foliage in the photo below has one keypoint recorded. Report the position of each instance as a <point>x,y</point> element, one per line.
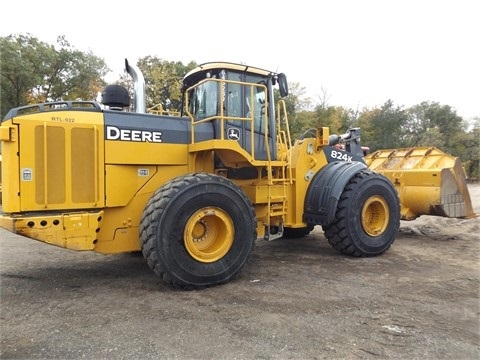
<point>337,118</point>
<point>327,116</point>
<point>471,152</point>
<point>383,128</point>
<point>301,123</point>
<point>21,70</point>
<point>33,71</point>
<point>163,81</point>
<point>387,127</point>
<point>295,104</point>
<point>432,137</point>
<point>432,124</point>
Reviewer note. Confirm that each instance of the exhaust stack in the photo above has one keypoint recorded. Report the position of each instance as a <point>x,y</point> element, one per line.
<point>139,87</point>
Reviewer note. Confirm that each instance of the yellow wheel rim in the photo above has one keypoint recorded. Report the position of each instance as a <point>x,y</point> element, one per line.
<point>375,216</point>
<point>208,234</point>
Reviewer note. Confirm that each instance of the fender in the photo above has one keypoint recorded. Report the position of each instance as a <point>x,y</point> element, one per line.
<point>325,190</point>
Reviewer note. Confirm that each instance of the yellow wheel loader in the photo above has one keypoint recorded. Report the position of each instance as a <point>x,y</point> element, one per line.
<point>194,191</point>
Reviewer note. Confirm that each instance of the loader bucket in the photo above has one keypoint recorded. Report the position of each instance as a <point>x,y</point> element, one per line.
<point>428,181</point>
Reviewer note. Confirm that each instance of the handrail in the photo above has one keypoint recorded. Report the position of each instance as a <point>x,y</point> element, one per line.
<point>54,106</point>
<point>159,110</point>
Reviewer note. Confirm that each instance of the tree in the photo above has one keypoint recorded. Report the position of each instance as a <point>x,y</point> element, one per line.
<point>440,120</point>
<point>327,116</point>
<point>34,71</point>
<point>384,127</point>
<point>163,81</point>
<point>364,122</point>
<point>20,70</point>
<point>295,104</point>
<point>301,123</point>
<point>337,118</point>
<point>431,137</point>
<point>471,154</point>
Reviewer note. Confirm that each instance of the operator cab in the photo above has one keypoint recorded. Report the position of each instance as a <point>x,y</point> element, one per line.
<point>241,97</point>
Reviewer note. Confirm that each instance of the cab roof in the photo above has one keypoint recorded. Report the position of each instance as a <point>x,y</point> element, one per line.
<point>229,66</point>
<point>200,71</point>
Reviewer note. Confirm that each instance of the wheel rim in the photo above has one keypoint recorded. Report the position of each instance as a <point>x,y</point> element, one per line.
<point>375,216</point>
<point>208,234</point>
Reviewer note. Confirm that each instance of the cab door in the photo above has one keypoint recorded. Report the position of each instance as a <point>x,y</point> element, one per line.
<point>240,101</point>
<point>245,107</point>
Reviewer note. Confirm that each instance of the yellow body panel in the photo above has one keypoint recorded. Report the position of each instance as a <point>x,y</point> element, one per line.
<point>122,182</point>
<point>123,152</point>
<point>10,173</point>
<point>75,230</point>
<point>306,160</point>
<point>66,173</point>
<point>7,132</point>
<point>120,226</point>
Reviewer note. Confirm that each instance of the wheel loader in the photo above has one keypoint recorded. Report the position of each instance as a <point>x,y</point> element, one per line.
<point>194,191</point>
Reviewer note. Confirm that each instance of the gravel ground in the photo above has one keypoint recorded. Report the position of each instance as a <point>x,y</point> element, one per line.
<point>296,299</point>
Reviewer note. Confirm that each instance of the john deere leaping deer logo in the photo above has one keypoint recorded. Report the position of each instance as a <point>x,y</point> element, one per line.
<point>233,134</point>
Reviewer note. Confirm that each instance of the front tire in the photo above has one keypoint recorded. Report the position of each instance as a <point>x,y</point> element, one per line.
<point>367,218</point>
<point>198,230</point>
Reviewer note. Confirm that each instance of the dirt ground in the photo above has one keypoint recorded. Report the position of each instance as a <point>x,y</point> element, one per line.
<point>297,299</point>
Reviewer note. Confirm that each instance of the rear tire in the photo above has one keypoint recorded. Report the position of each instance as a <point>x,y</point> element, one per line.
<point>198,230</point>
<point>367,218</point>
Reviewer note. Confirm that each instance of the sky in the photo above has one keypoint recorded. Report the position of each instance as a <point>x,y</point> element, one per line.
<point>352,53</point>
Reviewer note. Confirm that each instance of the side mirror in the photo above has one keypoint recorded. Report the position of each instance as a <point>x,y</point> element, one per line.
<point>282,84</point>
